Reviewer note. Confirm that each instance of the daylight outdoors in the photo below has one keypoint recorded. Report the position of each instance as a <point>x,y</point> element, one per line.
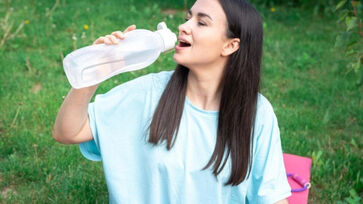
<point>312,75</point>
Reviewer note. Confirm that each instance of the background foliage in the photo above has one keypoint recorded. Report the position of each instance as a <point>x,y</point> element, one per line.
<point>351,39</point>
<point>317,102</point>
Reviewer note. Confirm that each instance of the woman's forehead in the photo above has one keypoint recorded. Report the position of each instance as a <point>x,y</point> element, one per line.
<point>211,8</point>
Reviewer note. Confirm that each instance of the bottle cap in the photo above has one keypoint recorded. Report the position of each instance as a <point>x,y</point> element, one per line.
<point>168,37</point>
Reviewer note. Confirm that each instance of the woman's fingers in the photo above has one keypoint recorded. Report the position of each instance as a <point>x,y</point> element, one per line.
<point>107,41</point>
<point>130,28</point>
<point>99,40</point>
<point>118,34</point>
<point>121,35</point>
<point>114,37</point>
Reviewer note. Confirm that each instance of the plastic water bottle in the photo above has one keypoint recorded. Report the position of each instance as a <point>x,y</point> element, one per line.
<point>93,64</point>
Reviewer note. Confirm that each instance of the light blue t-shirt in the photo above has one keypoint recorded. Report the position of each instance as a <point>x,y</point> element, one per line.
<point>138,172</point>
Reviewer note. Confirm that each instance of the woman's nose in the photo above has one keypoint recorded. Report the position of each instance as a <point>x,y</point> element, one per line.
<point>184,28</point>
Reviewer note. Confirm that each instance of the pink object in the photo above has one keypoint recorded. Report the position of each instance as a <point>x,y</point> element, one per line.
<point>299,179</point>
<point>300,166</point>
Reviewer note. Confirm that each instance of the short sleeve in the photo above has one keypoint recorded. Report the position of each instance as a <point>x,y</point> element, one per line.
<point>268,175</point>
<point>119,104</point>
<point>91,149</point>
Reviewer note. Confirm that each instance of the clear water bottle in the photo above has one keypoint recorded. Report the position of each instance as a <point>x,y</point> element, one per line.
<point>93,64</point>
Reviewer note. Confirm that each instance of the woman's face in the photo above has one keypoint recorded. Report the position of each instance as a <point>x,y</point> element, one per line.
<point>203,35</point>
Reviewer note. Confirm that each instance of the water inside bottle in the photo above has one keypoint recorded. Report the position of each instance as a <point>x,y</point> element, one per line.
<point>109,68</point>
<point>102,70</point>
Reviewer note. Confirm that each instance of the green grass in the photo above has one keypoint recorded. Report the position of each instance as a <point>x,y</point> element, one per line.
<point>317,103</point>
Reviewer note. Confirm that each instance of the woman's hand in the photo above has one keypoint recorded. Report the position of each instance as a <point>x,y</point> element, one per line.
<point>284,201</point>
<point>115,37</point>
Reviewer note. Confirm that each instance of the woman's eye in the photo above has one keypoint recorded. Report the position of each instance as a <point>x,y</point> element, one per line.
<point>199,22</point>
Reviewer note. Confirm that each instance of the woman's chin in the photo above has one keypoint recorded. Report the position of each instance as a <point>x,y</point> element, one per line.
<point>179,60</point>
<point>176,59</point>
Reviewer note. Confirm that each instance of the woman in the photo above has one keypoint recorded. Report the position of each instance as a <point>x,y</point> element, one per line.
<point>199,134</point>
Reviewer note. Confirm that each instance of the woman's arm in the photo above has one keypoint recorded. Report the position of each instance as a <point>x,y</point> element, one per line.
<point>72,122</point>
<point>71,125</point>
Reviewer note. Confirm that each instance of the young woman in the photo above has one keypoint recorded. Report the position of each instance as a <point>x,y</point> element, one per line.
<point>199,134</point>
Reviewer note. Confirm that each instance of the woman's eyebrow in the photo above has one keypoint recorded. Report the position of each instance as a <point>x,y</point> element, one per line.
<point>200,14</point>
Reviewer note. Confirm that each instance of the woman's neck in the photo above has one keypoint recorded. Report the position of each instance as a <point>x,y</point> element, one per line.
<point>203,88</point>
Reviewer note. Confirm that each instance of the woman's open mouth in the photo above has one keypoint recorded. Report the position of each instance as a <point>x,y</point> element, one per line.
<point>182,45</point>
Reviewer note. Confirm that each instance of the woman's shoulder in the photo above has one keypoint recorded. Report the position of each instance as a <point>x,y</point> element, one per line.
<point>161,79</point>
<point>265,112</point>
<point>263,104</point>
<point>137,92</point>
<point>142,84</point>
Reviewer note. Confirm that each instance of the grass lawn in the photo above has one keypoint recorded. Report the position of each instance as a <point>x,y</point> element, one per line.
<point>317,103</point>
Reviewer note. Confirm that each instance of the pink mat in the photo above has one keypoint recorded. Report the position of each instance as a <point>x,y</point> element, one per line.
<point>301,166</point>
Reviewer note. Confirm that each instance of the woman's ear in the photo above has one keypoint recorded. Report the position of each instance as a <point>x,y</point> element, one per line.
<point>230,46</point>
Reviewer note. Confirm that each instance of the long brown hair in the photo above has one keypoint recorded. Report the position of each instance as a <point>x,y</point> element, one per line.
<point>239,85</point>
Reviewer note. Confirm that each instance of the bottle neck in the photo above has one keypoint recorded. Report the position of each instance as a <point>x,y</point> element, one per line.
<point>161,41</point>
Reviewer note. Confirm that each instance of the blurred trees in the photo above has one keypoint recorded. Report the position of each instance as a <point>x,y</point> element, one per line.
<point>350,40</point>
